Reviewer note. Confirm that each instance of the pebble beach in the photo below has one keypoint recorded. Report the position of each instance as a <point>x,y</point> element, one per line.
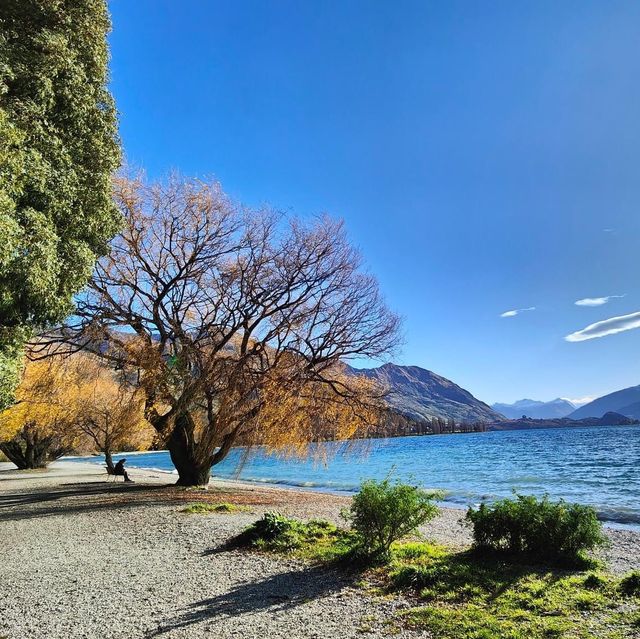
<point>83,558</point>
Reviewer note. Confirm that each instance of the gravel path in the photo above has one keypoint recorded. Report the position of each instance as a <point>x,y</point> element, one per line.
<point>81,558</point>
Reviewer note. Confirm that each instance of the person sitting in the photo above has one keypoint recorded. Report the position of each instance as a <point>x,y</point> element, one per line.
<point>118,469</point>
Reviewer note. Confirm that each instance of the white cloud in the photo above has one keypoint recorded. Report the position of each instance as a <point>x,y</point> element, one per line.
<point>609,326</point>
<point>596,301</point>
<point>517,311</point>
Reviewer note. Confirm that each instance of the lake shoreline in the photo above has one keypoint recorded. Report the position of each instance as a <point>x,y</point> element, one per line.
<point>593,466</point>
<point>449,528</point>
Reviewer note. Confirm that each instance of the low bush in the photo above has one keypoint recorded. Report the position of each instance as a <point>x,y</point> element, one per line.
<point>630,584</point>
<point>595,582</point>
<point>384,512</point>
<point>315,539</point>
<point>537,529</point>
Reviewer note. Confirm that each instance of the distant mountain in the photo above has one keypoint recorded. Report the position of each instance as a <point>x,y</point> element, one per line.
<point>608,419</point>
<point>633,410</point>
<point>421,394</point>
<point>536,409</point>
<point>625,402</point>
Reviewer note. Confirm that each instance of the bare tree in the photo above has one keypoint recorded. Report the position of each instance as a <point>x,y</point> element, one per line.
<point>235,321</point>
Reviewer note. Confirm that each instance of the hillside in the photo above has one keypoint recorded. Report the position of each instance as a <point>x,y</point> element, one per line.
<point>626,402</point>
<point>535,409</point>
<point>421,394</point>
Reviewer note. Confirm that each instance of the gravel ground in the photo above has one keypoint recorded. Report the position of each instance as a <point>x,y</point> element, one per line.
<point>82,558</point>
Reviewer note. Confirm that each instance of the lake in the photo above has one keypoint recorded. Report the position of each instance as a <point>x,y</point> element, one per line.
<point>599,466</point>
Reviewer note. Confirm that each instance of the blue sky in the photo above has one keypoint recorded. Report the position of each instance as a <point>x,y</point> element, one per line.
<point>485,157</point>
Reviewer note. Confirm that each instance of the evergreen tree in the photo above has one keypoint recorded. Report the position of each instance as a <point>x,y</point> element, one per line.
<point>58,150</point>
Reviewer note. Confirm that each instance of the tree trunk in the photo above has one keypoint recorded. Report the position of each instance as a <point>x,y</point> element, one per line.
<point>186,456</point>
<point>14,454</point>
<point>27,451</point>
<point>108,460</point>
<point>40,455</point>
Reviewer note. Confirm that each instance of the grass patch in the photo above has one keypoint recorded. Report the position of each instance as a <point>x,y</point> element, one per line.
<point>316,540</point>
<point>473,594</point>
<point>203,507</point>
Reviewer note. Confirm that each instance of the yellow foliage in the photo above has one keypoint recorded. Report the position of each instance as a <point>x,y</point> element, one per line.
<point>40,402</point>
<point>79,398</point>
<point>109,409</point>
<point>338,407</point>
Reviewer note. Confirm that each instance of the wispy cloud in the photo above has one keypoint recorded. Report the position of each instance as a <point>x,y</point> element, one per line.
<point>597,301</point>
<point>606,327</point>
<point>517,311</point>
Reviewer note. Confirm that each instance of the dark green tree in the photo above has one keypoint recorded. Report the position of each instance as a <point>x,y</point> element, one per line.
<point>58,149</point>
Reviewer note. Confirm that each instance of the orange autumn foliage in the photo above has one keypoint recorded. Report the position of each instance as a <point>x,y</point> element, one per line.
<point>80,402</point>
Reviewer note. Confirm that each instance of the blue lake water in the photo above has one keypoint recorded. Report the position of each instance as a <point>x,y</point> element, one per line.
<point>599,466</point>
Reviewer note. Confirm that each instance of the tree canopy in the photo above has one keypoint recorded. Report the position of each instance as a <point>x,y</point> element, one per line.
<point>236,322</point>
<point>58,150</point>
<point>40,425</point>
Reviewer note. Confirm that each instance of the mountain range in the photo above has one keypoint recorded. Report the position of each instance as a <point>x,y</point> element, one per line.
<point>536,409</point>
<point>421,394</point>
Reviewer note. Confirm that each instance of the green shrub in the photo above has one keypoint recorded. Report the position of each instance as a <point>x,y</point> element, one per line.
<point>384,512</point>
<point>630,585</point>
<point>537,528</point>
<point>276,532</point>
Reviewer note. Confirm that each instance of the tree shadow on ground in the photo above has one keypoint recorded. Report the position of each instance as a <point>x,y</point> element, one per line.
<point>82,497</point>
<point>93,496</point>
<point>276,593</point>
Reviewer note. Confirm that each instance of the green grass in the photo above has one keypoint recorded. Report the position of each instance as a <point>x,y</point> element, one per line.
<point>468,595</point>
<point>203,507</point>
<point>472,594</point>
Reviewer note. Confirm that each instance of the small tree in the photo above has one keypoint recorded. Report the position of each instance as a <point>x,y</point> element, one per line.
<point>39,427</point>
<point>235,321</point>
<point>109,410</point>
